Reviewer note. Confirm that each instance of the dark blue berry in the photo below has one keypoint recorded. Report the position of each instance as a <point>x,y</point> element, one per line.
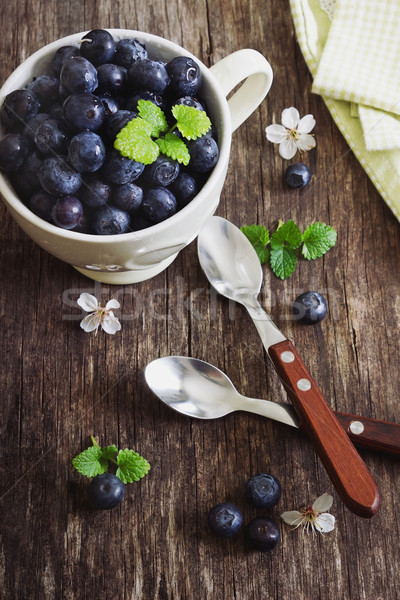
<point>159,203</point>
<point>186,77</point>
<point>225,519</point>
<point>112,79</point>
<point>98,46</point>
<point>150,75</point>
<point>127,51</point>
<point>61,56</point>
<point>51,137</point>
<point>83,111</point>
<point>106,491</point>
<point>14,148</point>
<point>262,534</point>
<point>111,105</point>
<point>57,177</point>
<point>263,490</point>
<point>19,106</point>
<point>132,101</point>
<point>86,152</point>
<point>184,188</point>
<point>203,154</point>
<point>309,308</point>
<point>109,220</point>
<point>94,192</point>
<point>297,175</point>
<point>42,204</point>
<point>33,123</point>
<point>189,101</point>
<point>119,169</point>
<point>45,88</point>
<point>67,212</point>
<point>127,196</point>
<point>30,169</point>
<point>162,171</point>
<point>117,121</point>
<point>78,76</point>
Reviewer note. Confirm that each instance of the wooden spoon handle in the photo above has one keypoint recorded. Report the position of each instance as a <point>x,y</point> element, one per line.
<point>348,472</point>
<point>371,433</point>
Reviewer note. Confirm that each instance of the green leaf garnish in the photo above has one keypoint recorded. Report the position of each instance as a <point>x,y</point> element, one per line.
<point>258,236</point>
<point>287,234</point>
<point>90,462</point>
<point>283,261</point>
<point>134,141</point>
<point>174,148</point>
<point>318,238</point>
<point>191,122</point>
<point>153,114</point>
<point>131,466</point>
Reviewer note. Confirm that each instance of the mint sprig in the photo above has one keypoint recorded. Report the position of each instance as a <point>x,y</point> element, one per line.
<point>148,134</point>
<point>283,246</point>
<point>95,461</point>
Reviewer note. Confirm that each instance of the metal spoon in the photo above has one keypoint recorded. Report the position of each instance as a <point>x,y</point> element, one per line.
<point>233,268</point>
<point>197,389</point>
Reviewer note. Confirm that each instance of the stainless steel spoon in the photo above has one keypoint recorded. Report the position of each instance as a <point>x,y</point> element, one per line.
<point>197,389</point>
<point>233,268</point>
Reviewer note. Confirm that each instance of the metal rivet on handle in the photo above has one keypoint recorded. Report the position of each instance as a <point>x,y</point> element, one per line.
<point>287,356</point>
<point>356,427</point>
<point>304,385</point>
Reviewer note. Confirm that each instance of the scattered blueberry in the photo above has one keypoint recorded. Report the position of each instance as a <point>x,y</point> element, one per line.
<point>262,534</point>
<point>185,74</point>
<point>263,490</point>
<point>108,220</point>
<point>309,308</point>
<point>297,175</point>
<point>225,519</point>
<point>159,203</point>
<point>106,491</point>
<point>67,212</point>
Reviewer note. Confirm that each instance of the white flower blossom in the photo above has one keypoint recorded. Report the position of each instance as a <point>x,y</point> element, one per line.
<point>99,315</point>
<point>312,517</point>
<point>293,134</point>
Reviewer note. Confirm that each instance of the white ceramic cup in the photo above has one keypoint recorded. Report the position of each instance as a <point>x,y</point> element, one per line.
<point>139,255</point>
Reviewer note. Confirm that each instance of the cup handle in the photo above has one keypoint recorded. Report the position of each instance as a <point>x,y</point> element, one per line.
<point>254,70</point>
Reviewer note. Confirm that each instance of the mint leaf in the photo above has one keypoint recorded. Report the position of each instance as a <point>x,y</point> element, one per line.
<point>90,462</point>
<point>153,114</point>
<point>191,122</point>
<point>283,260</point>
<point>134,141</point>
<point>174,147</point>
<point>318,238</point>
<point>131,466</point>
<point>287,234</point>
<point>109,452</point>
<point>258,236</point>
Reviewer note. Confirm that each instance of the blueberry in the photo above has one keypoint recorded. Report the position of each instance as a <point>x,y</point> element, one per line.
<point>119,169</point>
<point>112,79</point>
<point>150,75</point>
<point>127,51</point>
<point>14,148</point>
<point>51,137</point>
<point>262,534</point>
<point>127,196</point>
<point>108,220</point>
<point>83,111</point>
<point>225,519</point>
<point>297,175</point>
<point>19,106</point>
<point>159,203</point>
<point>42,204</point>
<point>94,192</point>
<point>67,212</point>
<point>106,491</point>
<point>203,154</point>
<point>61,56</point>
<point>117,121</point>
<point>33,123</point>
<point>45,88</point>
<point>184,188</point>
<point>185,75</point>
<point>132,101</point>
<point>111,105</point>
<point>98,46</point>
<point>189,101</point>
<point>78,76</point>
<point>263,490</point>
<point>309,308</point>
<point>57,177</point>
<point>30,169</point>
<point>162,171</point>
<point>86,152</point>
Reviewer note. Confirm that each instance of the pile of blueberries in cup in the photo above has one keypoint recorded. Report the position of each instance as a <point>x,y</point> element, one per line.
<point>58,148</point>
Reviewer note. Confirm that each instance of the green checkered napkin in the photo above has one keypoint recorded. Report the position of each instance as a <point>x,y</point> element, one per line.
<point>355,62</point>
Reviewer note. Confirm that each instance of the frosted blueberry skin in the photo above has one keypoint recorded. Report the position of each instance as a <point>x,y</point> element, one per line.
<point>109,220</point>
<point>225,519</point>
<point>263,490</point>
<point>310,308</point>
<point>106,491</point>
<point>57,177</point>
<point>128,51</point>
<point>297,175</point>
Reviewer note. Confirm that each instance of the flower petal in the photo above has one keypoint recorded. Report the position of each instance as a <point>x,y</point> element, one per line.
<point>325,522</point>
<point>276,133</point>
<point>290,117</point>
<point>90,323</point>
<point>305,141</point>
<point>88,302</point>
<point>292,517</point>
<point>288,148</point>
<point>110,324</point>
<point>112,304</point>
<point>323,503</point>
<point>306,124</point>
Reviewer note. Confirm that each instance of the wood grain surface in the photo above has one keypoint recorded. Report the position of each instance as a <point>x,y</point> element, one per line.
<point>60,385</point>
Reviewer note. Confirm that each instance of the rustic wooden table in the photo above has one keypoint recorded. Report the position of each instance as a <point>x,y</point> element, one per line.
<point>60,385</point>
